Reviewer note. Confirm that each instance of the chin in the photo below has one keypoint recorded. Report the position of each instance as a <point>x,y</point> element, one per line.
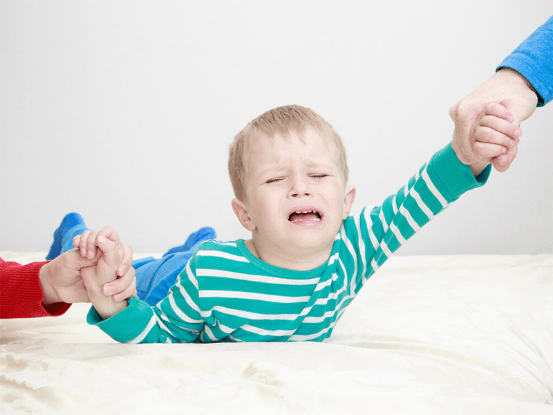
<point>312,242</point>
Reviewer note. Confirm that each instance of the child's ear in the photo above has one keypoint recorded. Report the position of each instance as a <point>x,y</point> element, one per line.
<point>241,212</point>
<point>348,200</point>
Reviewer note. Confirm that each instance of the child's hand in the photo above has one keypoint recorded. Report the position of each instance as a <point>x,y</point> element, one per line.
<point>125,285</point>
<point>493,134</point>
<point>111,254</point>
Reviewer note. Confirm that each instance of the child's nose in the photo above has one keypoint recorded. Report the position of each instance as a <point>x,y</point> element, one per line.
<point>300,187</point>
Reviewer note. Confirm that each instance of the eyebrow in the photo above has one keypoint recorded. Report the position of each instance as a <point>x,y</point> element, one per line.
<point>318,163</point>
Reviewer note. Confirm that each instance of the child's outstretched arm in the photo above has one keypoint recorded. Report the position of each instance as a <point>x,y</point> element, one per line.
<point>111,254</point>
<point>493,134</point>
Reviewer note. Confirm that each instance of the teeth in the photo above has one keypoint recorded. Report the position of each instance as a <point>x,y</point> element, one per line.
<point>298,220</point>
<point>304,212</point>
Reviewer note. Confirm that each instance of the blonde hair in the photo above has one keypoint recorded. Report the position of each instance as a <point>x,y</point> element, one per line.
<point>280,120</point>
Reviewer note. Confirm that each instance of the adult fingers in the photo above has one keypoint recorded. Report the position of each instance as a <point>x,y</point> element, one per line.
<point>123,287</point>
<point>73,260</point>
<point>129,292</point>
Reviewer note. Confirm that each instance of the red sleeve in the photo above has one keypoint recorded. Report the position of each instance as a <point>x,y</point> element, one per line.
<point>21,293</point>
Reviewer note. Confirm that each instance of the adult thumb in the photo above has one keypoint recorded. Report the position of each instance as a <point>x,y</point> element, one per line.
<point>72,259</point>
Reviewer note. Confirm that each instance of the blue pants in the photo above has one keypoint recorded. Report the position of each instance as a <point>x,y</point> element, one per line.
<point>154,276</point>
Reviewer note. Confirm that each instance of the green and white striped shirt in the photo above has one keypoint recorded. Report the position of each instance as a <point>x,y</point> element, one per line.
<point>227,294</point>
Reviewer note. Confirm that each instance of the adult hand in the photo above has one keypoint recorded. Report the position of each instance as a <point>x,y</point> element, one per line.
<point>61,278</point>
<point>506,87</point>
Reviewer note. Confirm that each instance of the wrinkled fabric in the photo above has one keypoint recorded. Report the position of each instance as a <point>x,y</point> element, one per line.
<point>432,335</point>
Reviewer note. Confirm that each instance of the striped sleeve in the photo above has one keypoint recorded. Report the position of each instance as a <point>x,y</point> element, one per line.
<point>376,233</point>
<point>227,294</point>
<point>176,319</point>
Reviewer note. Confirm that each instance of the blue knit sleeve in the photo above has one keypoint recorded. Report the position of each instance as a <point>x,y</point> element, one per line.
<point>533,59</point>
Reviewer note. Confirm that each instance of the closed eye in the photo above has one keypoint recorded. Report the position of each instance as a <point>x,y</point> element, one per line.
<point>319,176</point>
<point>276,179</point>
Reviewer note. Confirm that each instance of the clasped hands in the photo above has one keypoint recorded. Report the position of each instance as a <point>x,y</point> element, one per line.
<point>79,275</point>
<point>482,132</point>
<point>111,265</point>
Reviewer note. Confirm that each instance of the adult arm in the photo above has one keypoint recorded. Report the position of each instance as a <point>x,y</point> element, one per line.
<point>21,293</point>
<point>44,289</point>
<point>533,59</point>
<point>523,81</point>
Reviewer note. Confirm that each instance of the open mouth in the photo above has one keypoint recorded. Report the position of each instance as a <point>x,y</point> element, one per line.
<point>305,215</point>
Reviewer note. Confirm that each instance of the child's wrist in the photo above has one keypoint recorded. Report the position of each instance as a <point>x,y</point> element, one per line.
<point>107,308</point>
<point>477,168</point>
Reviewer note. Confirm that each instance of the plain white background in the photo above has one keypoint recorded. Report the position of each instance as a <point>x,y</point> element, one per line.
<point>124,110</point>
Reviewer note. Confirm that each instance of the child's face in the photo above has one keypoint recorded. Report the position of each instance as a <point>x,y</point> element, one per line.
<point>285,177</point>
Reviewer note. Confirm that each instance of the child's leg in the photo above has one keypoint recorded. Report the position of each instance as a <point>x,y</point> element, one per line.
<point>154,277</point>
<point>191,244</point>
<point>71,226</point>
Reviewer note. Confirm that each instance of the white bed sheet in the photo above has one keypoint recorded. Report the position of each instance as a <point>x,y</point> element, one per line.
<point>427,335</point>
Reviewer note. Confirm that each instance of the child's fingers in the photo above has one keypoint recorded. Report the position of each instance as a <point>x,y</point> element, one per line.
<point>76,241</point>
<point>80,242</point>
<point>127,260</point>
<point>110,234</point>
<point>487,151</point>
<point>506,128</point>
<point>489,135</point>
<point>498,118</point>
<point>503,162</point>
<point>91,245</point>
<point>111,240</point>
<point>112,252</point>
<point>109,260</point>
